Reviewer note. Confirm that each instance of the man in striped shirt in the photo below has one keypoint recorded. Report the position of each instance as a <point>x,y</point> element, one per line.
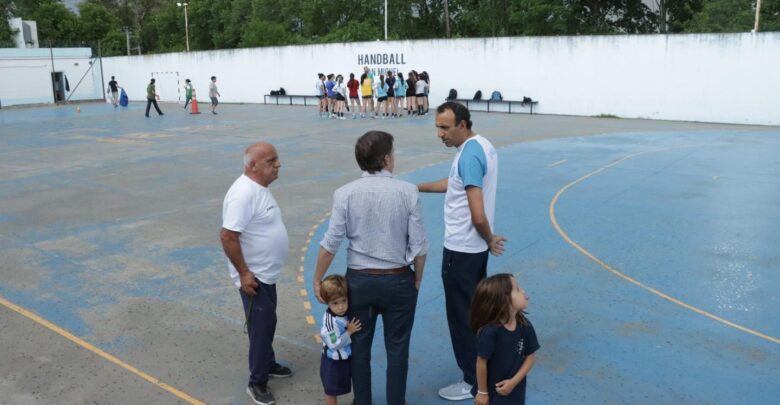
<point>381,217</point>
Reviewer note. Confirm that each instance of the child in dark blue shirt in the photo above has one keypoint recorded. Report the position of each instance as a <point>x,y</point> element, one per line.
<point>506,341</point>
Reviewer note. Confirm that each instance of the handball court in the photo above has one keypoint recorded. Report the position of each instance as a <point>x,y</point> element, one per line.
<point>648,250</point>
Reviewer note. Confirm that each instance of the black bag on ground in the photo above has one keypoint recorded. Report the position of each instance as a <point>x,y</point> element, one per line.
<point>453,95</point>
<point>478,95</point>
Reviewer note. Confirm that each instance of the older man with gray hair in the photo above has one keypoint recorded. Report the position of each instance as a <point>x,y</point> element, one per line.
<point>254,239</point>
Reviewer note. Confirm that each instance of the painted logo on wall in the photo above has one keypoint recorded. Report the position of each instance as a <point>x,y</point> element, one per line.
<point>380,63</point>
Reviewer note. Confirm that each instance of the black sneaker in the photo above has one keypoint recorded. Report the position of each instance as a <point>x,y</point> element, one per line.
<point>279,371</point>
<point>260,395</point>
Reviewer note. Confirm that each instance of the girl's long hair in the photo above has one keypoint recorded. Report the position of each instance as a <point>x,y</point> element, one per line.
<point>492,303</point>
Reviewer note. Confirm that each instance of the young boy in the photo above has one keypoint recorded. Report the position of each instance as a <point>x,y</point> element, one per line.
<point>335,371</point>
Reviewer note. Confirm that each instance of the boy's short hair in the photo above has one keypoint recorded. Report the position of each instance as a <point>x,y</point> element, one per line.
<point>333,287</point>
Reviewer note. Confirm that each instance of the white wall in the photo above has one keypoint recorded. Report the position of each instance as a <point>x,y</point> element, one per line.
<point>728,78</point>
<point>25,75</point>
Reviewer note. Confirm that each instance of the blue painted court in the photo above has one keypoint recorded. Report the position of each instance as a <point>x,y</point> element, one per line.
<point>648,250</point>
<point>690,217</point>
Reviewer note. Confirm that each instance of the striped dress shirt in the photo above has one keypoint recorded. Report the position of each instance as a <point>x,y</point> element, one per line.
<point>381,217</point>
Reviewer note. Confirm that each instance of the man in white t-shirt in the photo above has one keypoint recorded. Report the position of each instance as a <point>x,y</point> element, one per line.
<point>255,241</point>
<point>469,208</point>
<point>213,94</point>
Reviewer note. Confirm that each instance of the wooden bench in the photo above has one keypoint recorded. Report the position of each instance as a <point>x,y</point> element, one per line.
<point>288,98</point>
<point>508,103</point>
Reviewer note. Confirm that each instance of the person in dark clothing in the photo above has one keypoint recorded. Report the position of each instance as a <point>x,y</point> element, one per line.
<point>151,98</point>
<point>113,89</point>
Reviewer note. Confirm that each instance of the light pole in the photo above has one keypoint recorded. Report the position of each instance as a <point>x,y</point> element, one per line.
<point>186,24</point>
<point>385,20</point>
<point>127,36</point>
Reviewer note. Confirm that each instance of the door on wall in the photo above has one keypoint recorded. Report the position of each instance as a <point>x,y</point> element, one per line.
<point>58,86</point>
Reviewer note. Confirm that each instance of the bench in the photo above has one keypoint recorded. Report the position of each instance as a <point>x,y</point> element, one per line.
<point>288,99</point>
<point>508,103</point>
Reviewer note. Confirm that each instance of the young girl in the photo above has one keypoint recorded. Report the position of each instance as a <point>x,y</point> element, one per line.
<point>506,341</point>
<point>411,84</point>
<point>400,93</point>
<point>367,91</point>
<point>340,92</point>
<point>353,85</point>
<point>381,96</point>
<point>419,93</point>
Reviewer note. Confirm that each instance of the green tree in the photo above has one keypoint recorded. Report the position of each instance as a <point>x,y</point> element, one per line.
<point>735,16</point>
<point>114,43</point>
<point>673,15</point>
<point>610,17</point>
<point>96,21</point>
<point>540,17</point>
<point>260,32</point>
<point>56,23</point>
<point>163,30</point>
<point>6,33</point>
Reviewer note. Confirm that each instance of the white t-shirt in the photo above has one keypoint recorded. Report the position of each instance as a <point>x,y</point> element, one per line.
<point>420,86</point>
<point>339,88</point>
<point>250,208</point>
<point>475,164</point>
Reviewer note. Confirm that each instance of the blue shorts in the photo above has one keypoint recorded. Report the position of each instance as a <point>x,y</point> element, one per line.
<point>336,376</point>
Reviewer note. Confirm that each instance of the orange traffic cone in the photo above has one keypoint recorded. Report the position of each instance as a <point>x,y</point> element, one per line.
<point>194,103</point>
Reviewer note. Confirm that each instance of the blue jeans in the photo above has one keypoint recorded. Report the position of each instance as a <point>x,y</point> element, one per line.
<point>261,329</point>
<point>394,297</point>
<point>460,274</point>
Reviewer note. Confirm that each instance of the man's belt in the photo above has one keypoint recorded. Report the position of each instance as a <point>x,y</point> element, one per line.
<point>397,270</point>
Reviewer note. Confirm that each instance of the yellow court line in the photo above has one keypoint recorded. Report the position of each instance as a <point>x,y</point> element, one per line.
<point>307,304</point>
<point>86,345</point>
<point>632,280</point>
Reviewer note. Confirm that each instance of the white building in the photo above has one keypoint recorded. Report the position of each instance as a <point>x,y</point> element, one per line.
<point>48,75</point>
<point>26,33</point>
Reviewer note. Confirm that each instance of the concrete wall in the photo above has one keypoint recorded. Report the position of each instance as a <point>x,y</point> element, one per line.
<point>729,78</point>
<point>25,74</point>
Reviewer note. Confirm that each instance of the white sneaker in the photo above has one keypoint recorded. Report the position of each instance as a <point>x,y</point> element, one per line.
<point>456,392</point>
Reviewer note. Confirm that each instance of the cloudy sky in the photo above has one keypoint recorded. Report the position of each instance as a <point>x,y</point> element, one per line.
<point>72,4</point>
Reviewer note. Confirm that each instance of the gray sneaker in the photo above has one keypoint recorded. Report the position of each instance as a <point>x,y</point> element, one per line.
<point>260,395</point>
<point>456,392</point>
